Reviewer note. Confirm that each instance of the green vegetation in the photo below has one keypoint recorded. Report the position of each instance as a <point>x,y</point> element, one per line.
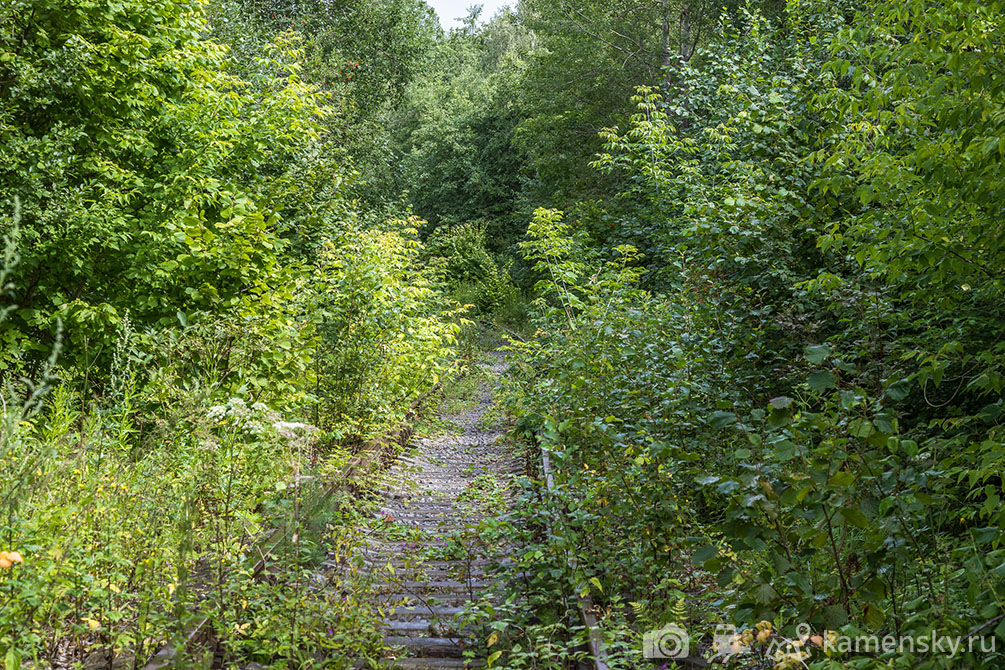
<point>791,378</point>
<point>200,326</point>
<point>750,256</point>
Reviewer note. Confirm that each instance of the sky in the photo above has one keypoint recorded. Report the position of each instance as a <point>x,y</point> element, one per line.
<point>452,11</point>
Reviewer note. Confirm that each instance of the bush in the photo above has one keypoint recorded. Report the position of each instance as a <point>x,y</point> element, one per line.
<point>382,330</point>
<point>474,275</point>
<point>798,429</point>
<point>147,175</point>
<point>186,232</point>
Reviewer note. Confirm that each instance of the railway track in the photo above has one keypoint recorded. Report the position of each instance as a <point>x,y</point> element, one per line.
<point>440,488</point>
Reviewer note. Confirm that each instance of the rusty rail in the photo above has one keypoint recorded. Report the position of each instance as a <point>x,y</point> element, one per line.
<point>586,604</point>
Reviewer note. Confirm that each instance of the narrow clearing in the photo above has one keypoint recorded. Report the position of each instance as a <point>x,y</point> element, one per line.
<point>426,552</point>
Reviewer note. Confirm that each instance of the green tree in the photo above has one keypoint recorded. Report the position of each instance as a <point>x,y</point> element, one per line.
<point>590,56</point>
<point>148,176</point>
<point>455,130</point>
<point>364,54</point>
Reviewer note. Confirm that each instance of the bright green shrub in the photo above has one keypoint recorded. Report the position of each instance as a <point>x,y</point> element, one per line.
<point>383,330</point>
<point>474,275</point>
<point>190,229</point>
<point>160,534</point>
<point>146,174</point>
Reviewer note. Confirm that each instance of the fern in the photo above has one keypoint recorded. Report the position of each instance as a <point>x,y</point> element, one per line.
<point>640,609</point>
<point>678,612</point>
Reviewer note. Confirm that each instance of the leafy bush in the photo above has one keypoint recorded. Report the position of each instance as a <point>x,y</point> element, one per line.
<point>475,276</point>
<point>382,330</point>
<point>185,219</point>
<point>774,425</point>
<point>146,173</point>
<point>162,528</point>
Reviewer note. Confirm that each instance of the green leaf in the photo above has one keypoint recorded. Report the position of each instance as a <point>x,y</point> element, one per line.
<point>855,517</point>
<point>842,478</point>
<point>764,593</point>
<point>990,413</point>
<point>985,535</point>
<point>834,616</point>
<point>816,353</point>
<point>898,390</point>
<point>704,553</point>
<point>781,402</point>
<point>12,660</point>
<point>720,419</point>
<point>779,417</point>
<point>822,380</point>
<point>784,450</point>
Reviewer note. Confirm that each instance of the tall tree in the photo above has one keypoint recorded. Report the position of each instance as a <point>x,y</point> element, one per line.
<point>147,175</point>
<point>591,56</point>
<point>456,128</point>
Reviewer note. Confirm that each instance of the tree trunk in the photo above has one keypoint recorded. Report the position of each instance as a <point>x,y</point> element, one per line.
<point>666,57</point>
<point>686,48</point>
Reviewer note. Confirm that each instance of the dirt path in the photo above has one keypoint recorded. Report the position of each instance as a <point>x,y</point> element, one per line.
<point>440,488</point>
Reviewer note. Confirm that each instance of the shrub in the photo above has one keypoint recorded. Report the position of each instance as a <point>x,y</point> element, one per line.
<point>475,276</point>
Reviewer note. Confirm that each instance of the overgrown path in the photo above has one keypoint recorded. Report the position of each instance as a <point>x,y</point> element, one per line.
<point>431,562</point>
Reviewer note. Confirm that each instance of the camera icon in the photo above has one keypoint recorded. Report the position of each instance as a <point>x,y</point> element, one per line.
<point>727,642</point>
<point>670,641</point>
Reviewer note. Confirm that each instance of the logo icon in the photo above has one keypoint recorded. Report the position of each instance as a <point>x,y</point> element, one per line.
<point>670,641</point>
<point>727,642</point>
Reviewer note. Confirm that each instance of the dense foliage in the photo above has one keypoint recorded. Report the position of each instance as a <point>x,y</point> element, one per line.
<point>141,167</point>
<point>797,386</point>
<point>199,326</point>
<point>750,254</point>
